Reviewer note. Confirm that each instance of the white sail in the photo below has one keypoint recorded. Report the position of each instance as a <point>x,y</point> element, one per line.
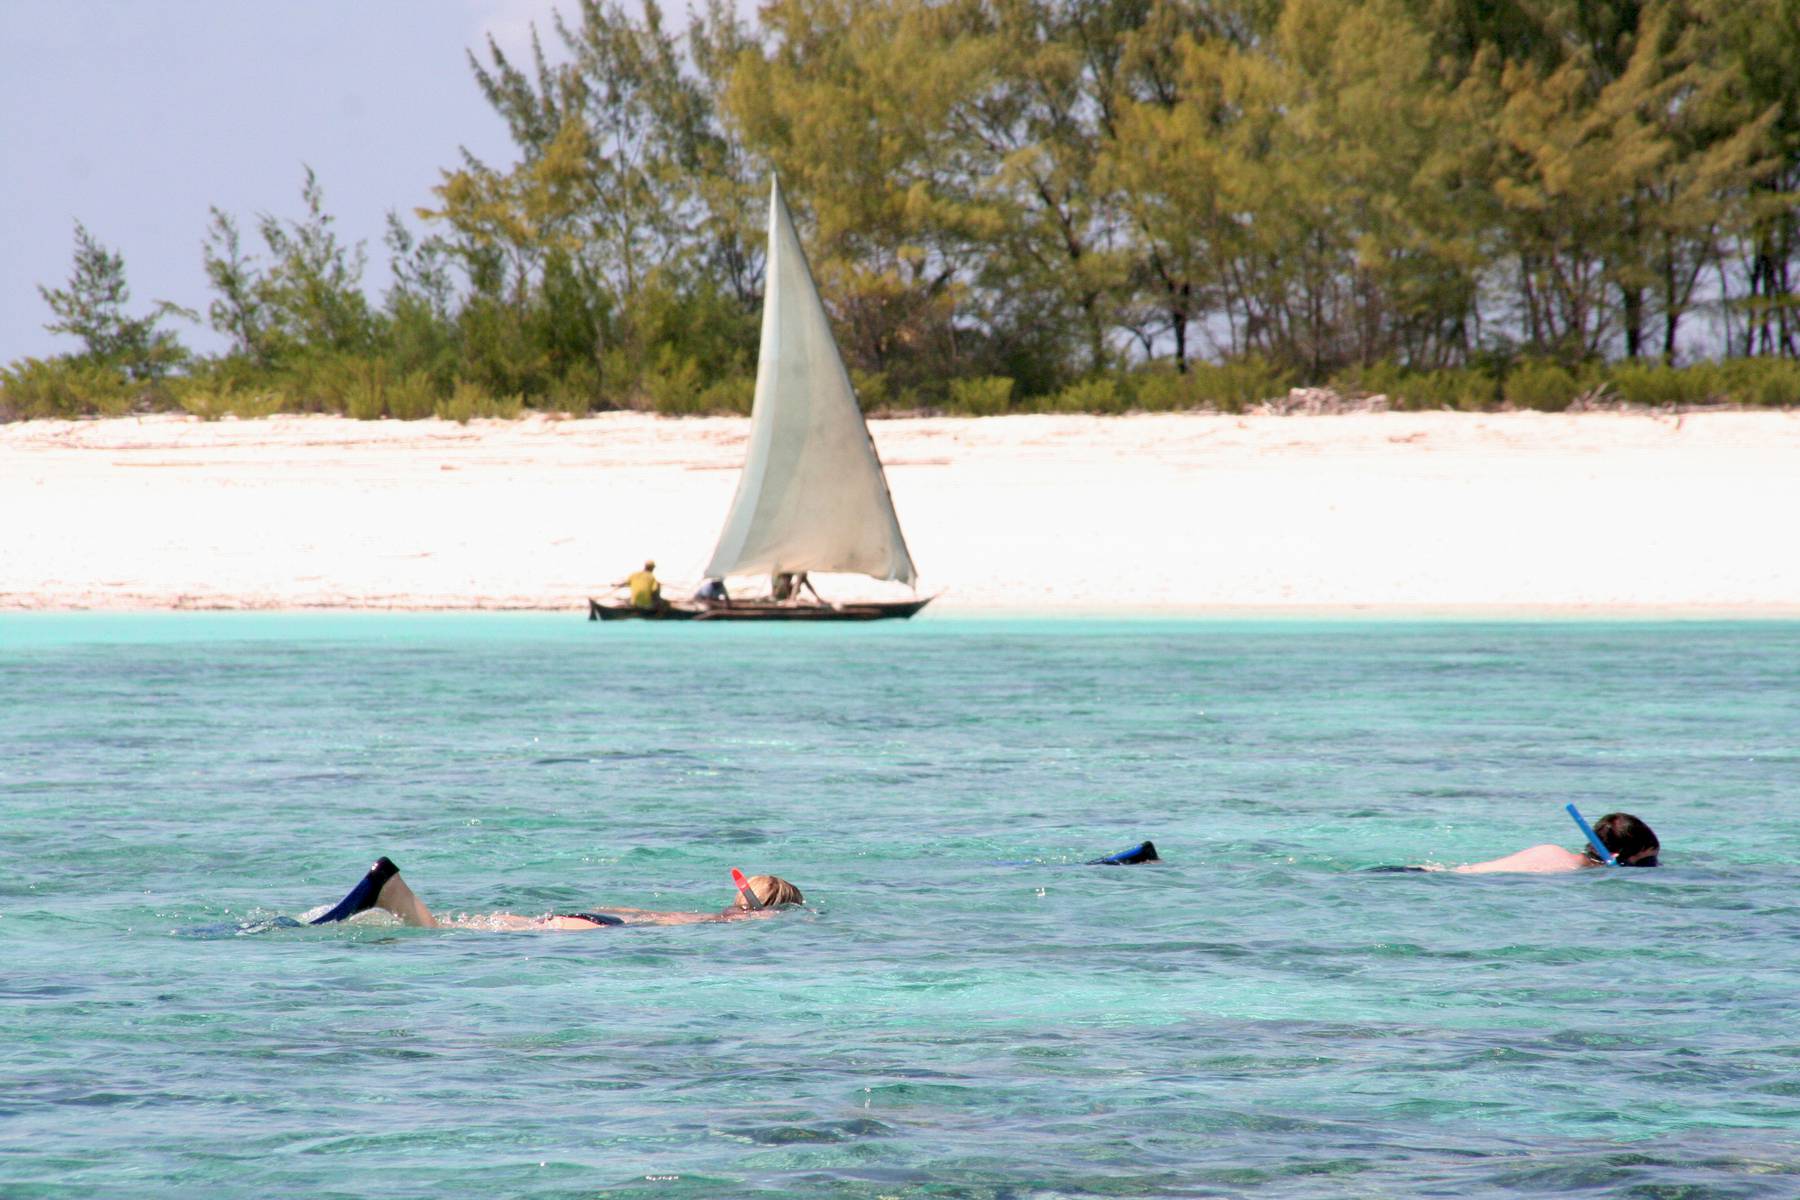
<point>812,496</point>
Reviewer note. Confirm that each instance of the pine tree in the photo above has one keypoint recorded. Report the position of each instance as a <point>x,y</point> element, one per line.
<point>92,308</point>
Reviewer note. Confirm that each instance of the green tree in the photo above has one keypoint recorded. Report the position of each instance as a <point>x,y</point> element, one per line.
<point>306,298</point>
<point>92,308</point>
<point>239,311</point>
<point>312,289</point>
<point>1758,45</point>
<point>625,182</point>
<point>420,325</point>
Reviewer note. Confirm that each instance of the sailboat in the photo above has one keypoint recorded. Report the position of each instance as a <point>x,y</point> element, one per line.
<point>812,496</point>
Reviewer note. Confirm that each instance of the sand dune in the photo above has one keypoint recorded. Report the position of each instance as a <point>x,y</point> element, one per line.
<point>1602,512</point>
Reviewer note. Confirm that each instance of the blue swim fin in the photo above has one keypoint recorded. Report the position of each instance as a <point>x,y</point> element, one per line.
<point>363,896</point>
<point>1142,853</point>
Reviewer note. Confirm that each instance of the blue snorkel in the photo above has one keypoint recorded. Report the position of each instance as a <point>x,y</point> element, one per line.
<point>1587,831</point>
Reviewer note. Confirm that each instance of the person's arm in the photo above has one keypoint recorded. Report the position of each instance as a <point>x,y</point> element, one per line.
<point>1538,860</point>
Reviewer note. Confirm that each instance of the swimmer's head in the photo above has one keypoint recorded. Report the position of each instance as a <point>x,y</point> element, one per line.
<point>1632,842</point>
<point>771,890</point>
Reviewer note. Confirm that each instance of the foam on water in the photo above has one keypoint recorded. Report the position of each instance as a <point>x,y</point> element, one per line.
<point>961,1009</point>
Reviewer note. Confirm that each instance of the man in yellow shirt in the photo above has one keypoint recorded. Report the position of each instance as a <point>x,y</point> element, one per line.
<point>646,592</point>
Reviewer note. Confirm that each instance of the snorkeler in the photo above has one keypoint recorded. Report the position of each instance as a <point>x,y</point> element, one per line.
<point>382,887</point>
<point>1143,852</point>
<point>1630,842</point>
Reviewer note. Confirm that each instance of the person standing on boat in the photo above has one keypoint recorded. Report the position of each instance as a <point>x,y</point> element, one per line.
<point>646,592</point>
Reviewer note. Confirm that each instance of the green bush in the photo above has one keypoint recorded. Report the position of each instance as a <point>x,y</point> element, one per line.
<point>210,401</point>
<point>1761,382</point>
<point>871,390</point>
<point>982,396</point>
<point>1163,391</point>
<point>1384,378</point>
<point>461,404</point>
<point>577,392</point>
<point>364,393</point>
<point>1467,389</point>
<point>673,386</point>
<point>328,383</point>
<point>1099,394</point>
<point>1540,385</point>
<point>70,387</point>
<point>733,395</point>
<point>1655,383</point>
<point>413,398</point>
<point>468,401</point>
<point>1236,385</point>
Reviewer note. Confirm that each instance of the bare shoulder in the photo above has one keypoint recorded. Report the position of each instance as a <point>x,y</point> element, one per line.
<point>1538,860</point>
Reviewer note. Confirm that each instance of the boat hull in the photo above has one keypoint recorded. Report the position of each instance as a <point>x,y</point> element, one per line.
<point>758,610</point>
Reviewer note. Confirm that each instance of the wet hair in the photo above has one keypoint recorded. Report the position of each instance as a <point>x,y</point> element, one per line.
<point>1626,837</point>
<point>773,889</point>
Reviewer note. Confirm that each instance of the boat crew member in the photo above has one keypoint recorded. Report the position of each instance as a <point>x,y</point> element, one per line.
<point>646,592</point>
<point>712,591</point>
<point>788,586</point>
<point>383,888</point>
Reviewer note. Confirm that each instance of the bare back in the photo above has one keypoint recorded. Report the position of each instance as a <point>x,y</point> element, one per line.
<point>1539,860</point>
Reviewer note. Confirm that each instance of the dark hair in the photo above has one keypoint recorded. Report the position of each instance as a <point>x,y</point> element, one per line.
<point>1626,837</point>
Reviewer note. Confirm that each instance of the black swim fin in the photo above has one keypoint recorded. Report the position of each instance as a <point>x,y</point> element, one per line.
<point>1142,853</point>
<point>364,895</point>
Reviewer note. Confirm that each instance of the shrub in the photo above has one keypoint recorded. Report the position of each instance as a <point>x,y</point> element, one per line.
<point>1764,382</point>
<point>734,394</point>
<point>364,393</point>
<point>1162,391</point>
<point>982,396</point>
<point>461,404</point>
<point>871,390</point>
<point>673,386</point>
<point>1540,385</point>
<point>468,401</point>
<point>68,387</point>
<point>577,392</point>
<point>1465,389</point>
<point>1384,378</point>
<point>1655,383</point>
<point>328,383</point>
<point>1100,394</point>
<point>210,401</point>
<point>413,398</point>
<point>1236,385</point>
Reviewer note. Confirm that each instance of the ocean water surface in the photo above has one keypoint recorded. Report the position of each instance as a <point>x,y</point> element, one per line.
<point>962,1009</point>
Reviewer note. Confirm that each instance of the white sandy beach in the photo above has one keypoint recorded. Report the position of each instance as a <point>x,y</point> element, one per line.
<point>1596,512</point>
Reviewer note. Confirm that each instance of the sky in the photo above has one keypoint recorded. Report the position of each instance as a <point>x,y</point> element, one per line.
<point>135,116</point>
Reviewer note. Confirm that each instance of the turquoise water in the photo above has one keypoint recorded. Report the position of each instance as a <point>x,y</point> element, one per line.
<point>962,1010</point>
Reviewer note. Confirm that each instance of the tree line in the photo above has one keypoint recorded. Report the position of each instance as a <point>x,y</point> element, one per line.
<point>1013,204</point>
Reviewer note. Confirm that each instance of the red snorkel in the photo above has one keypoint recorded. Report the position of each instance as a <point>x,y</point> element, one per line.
<point>743,887</point>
